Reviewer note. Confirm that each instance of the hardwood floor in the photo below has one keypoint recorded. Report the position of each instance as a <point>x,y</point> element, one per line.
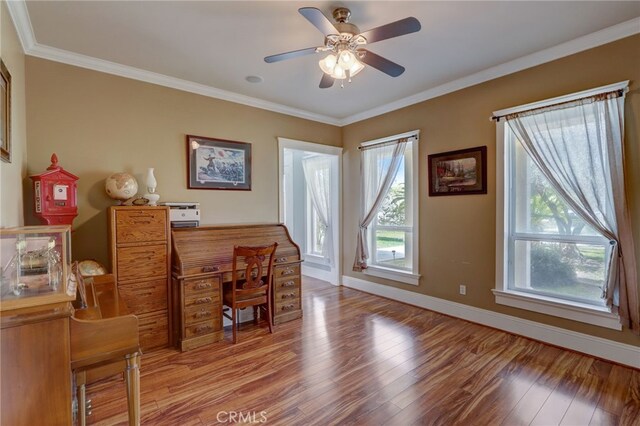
<point>357,359</point>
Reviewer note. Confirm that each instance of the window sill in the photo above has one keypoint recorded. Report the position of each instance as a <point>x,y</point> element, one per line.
<point>393,274</point>
<point>600,316</point>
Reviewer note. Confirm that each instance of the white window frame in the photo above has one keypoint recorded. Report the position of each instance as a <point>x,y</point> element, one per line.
<point>505,295</point>
<point>412,205</point>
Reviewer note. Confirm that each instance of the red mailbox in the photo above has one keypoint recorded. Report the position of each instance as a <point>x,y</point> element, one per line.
<point>55,195</point>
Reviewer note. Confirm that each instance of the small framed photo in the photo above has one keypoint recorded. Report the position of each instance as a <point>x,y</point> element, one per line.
<point>458,172</point>
<point>5,113</point>
<point>218,164</point>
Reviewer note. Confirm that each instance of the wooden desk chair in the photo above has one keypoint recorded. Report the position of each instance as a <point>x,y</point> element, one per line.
<point>250,286</point>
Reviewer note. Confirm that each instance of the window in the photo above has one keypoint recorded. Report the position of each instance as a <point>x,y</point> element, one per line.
<point>392,235</point>
<point>549,259</point>
<point>552,251</point>
<point>315,230</point>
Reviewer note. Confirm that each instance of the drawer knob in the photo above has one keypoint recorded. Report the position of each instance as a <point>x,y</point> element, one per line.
<point>203,300</point>
<point>288,307</point>
<point>202,328</point>
<point>288,284</point>
<point>210,268</point>
<point>287,271</point>
<point>288,295</point>
<point>201,286</point>
<point>281,259</point>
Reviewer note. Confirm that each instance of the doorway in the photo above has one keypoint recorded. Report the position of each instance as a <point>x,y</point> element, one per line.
<point>310,182</point>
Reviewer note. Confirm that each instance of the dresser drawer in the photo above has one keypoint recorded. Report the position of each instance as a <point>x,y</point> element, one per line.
<point>199,285</point>
<point>141,225</point>
<point>194,314</point>
<point>201,328</point>
<point>153,330</point>
<point>141,262</point>
<point>147,296</point>
<point>284,272</point>
<point>200,299</point>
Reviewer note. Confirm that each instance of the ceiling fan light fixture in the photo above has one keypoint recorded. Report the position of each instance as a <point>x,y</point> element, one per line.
<point>328,64</point>
<point>343,65</point>
<point>346,59</point>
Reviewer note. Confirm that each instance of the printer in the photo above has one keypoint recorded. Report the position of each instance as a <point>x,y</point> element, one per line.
<point>183,214</point>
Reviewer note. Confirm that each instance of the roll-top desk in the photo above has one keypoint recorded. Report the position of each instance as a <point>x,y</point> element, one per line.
<point>201,264</point>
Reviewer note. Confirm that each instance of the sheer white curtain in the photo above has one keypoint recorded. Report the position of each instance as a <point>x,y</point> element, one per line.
<point>317,175</point>
<point>579,148</point>
<point>378,167</point>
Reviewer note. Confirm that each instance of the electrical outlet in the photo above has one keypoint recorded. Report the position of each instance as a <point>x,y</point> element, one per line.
<point>463,289</point>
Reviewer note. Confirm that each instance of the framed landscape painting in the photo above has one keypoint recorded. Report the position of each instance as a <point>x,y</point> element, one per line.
<point>458,172</point>
<point>218,164</point>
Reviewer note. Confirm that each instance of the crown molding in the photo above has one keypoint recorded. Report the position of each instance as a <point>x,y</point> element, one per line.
<point>20,16</point>
<point>589,41</point>
<point>83,61</point>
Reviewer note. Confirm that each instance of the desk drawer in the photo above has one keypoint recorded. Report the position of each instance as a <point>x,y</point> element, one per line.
<point>141,262</point>
<point>286,306</point>
<point>141,225</point>
<point>285,259</point>
<point>201,328</point>
<point>199,285</point>
<point>287,295</point>
<point>286,284</point>
<point>286,272</point>
<point>195,314</point>
<point>201,299</point>
<point>153,330</point>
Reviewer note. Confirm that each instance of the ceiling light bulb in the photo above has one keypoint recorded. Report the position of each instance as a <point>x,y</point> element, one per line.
<point>356,68</point>
<point>328,64</point>
<point>338,73</point>
<point>346,59</point>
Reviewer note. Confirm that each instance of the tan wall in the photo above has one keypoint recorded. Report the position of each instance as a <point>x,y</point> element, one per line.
<point>99,124</point>
<point>457,234</point>
<point>12,174</point>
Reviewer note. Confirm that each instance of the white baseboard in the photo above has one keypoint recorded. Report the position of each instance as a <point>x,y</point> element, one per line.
<point>320,274</point>
<point>579,342</point>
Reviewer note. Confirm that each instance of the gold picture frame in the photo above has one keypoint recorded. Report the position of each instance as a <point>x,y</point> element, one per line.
<point>5,113</point>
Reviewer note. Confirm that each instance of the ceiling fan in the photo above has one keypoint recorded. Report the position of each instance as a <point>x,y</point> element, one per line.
<point>346,45</point>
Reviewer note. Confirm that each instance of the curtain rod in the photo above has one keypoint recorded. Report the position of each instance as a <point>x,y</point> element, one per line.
<point>618,92</point>
<point>391,142</point>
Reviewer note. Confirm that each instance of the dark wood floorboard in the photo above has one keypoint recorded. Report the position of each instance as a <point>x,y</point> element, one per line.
<point>358,359</point>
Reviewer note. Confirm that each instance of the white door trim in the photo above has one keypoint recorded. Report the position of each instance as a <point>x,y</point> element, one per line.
<point>285,143</point>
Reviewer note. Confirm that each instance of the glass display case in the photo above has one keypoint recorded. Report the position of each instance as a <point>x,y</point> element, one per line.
<point>35,262</point>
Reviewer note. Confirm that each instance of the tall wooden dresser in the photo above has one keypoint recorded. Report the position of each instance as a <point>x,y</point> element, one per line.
<point>140,254</point>
<point>202,264</point>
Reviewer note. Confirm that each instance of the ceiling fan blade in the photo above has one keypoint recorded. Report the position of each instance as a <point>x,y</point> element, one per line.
<point>317,18</point>
<point>380,63</point>
<point>327,81</point>
<point>290,55</point>
<point>394,29</point>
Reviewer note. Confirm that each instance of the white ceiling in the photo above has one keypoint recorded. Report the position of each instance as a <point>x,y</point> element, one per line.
<point>211,46</point>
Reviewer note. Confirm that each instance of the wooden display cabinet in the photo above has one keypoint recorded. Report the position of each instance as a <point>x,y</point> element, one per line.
<point>35,307</point>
